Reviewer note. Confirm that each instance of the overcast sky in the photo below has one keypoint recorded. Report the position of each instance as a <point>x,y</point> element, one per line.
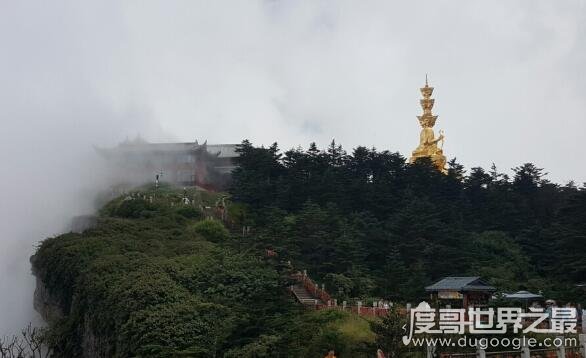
<point>509,76</point>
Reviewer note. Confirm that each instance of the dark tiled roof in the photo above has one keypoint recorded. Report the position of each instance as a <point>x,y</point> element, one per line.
<point>139,145</point>
<point>473,283</point>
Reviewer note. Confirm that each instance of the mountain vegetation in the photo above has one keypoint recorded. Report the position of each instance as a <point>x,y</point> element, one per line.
<point>154,278</point>
<point>369,224</point>
<point>158,277</point>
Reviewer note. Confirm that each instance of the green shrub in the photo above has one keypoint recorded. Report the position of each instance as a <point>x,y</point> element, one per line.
<point>264,347</point>
<point>188,328</point>
<point>144,290</point>
<point>134,209</point>
<point>211,230</point>
<point>189,212</point>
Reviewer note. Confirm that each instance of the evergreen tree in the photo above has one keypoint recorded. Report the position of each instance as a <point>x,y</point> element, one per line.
<point>371,217</point>
<point>389,333</point>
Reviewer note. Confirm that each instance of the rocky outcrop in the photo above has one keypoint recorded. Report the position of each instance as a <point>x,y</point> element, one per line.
<point>48,306</point>
<point>51,309</point>
<point>93,345</point>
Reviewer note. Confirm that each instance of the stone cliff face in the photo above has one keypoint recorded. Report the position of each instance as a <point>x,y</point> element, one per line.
<point>48,306</point>
<point>52,309</point>
<point>93,345</point>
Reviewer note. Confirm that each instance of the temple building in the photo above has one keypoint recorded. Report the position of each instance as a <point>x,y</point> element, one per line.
<point>184,164</point>
<point>428,143</point>
<point>460,292</point>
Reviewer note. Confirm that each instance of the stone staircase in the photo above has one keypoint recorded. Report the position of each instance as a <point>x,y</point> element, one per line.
<point>303,296</point>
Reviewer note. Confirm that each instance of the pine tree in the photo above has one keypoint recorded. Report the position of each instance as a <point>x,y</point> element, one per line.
<point>389,333</point>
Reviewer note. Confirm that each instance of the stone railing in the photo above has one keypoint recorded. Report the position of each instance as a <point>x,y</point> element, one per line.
<point>323,300</point>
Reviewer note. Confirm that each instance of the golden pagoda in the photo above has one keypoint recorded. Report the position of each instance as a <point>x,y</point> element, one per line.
<point>428,143</point>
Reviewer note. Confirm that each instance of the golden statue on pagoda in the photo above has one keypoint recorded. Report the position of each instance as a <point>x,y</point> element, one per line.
<point>428,143</point>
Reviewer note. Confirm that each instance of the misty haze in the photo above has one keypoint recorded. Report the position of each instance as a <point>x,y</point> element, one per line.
<point>158,119</point>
